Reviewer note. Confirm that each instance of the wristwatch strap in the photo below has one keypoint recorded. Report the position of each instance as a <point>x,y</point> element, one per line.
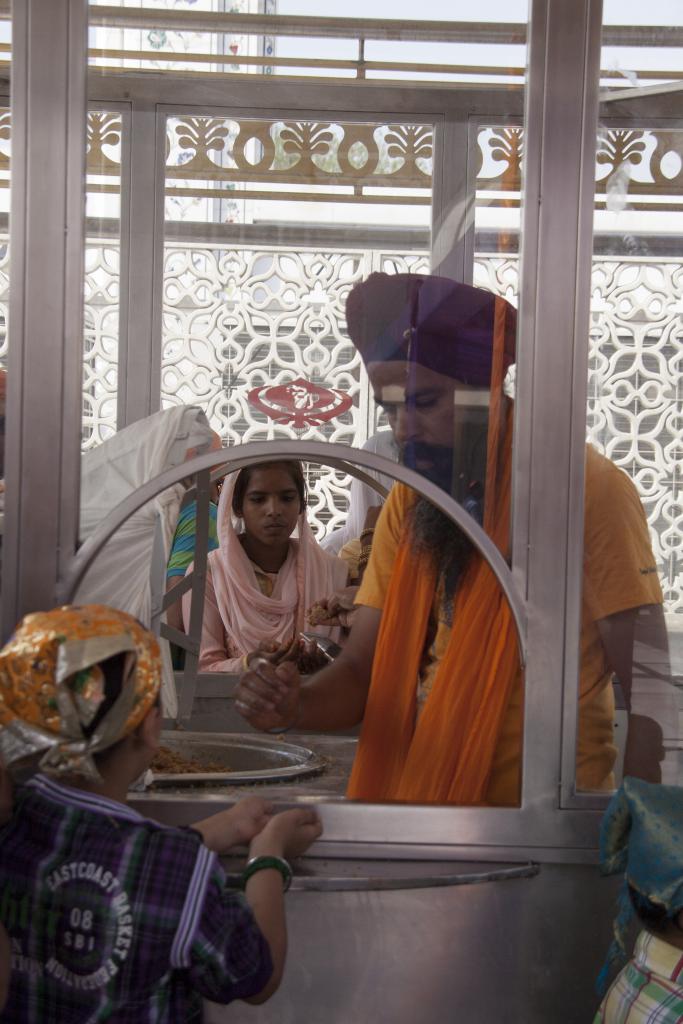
<point>263,864</point>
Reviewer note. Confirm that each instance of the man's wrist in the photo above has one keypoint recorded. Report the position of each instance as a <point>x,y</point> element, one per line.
<point>293,723</point>
<point>294,720</point>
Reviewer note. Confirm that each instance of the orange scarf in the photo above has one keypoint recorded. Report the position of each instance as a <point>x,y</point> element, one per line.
<point>447,757</point>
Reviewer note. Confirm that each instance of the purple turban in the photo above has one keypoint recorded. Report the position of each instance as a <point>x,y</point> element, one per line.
<point>433,321</point>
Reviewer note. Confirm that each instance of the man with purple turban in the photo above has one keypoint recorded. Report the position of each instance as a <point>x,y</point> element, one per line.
<point>431,665</point>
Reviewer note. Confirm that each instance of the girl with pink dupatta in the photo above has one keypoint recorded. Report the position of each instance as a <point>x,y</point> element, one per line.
<point>261,580</point>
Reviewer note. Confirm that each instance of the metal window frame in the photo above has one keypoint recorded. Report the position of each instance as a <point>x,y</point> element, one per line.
<point>236,458</point>
<point>361,116</point>
<point>143,179</point>
<point>452,199</point>
<point>557,248</point>
<point>48,100</point>
<point>365,28</point>
<point>334,97</point>
<point>142,256</point>
<point>648,108</point>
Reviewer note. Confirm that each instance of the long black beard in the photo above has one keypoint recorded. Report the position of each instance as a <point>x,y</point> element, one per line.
<point>434,535</point>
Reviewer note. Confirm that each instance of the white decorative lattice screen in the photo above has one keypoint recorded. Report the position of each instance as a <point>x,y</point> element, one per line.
<point>236,319</point>
<point>635,394</point>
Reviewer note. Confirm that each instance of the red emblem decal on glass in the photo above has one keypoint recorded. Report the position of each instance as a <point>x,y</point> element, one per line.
<point>299,403</point>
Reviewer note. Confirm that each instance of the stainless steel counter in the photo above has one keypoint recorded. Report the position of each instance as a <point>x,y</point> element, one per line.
<point>524,950</point>
<point>414,942</point>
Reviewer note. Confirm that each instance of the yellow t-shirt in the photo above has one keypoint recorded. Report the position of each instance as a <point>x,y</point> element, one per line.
<point>618,574</point>
<point>350,554</point>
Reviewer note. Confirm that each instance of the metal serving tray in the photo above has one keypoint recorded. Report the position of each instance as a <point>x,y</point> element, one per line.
<point>247,758</point>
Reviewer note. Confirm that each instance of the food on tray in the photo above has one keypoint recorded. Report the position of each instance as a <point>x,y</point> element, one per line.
<point>169,762</point>
<point>318,613</point>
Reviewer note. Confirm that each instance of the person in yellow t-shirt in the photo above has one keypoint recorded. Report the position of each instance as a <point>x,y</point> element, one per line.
<point>431,666</point>
<point>613,546</point>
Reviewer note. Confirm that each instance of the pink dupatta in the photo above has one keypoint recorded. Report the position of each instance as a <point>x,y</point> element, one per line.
<point>249,617</point>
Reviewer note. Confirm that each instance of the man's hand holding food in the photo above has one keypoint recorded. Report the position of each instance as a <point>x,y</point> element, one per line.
<point>267,695</point>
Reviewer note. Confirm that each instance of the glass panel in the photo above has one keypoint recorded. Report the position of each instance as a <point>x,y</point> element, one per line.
<point>205,38</point>
<point>497,208</point>
<point>262,336</point>
<point>5,138</point>
<point>102,264</point>
<point>640,44</point>
<point>273,323</point>
<point>634,517</point>
<point>250,316</point>
<point>5,141</point>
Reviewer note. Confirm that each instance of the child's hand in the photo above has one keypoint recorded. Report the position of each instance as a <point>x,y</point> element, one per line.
<point>247,818</point>
<point>288,834</point>
<point>236,827</point>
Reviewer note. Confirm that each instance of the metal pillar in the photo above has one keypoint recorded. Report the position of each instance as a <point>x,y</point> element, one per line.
<point>552,368</point>
<point>49,45</point>
<point>453,201</point>
<point>142,248</point>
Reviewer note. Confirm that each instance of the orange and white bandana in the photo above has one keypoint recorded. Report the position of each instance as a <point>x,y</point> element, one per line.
<point>52,687</point>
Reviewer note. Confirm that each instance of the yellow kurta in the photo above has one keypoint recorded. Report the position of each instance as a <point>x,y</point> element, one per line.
<point>618,574</point>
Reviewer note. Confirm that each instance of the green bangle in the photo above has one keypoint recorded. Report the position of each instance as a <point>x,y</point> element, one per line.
<point>263,864</point>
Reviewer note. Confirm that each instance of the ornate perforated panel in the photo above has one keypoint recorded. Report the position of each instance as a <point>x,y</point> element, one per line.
<point>638,170</point>
<point>635,398</point>
<point>635,390</point>
<point>634,169</point>
<point>101,333</point>
<point>226,331</point>
<point>101,313</point>
<point>100,342</point>
<point>220,157</point>
<point>238,319</point>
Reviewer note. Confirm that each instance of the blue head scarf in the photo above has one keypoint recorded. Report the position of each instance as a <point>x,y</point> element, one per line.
<point>642,836</point>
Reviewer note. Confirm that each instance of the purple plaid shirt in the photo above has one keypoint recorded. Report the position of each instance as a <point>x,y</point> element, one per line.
<point>114,917</point>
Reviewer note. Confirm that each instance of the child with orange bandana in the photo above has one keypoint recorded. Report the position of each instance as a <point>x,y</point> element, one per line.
<point>112,916</point>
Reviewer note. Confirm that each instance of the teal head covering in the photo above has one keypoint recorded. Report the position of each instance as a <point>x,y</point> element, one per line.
<point>642,836</point>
